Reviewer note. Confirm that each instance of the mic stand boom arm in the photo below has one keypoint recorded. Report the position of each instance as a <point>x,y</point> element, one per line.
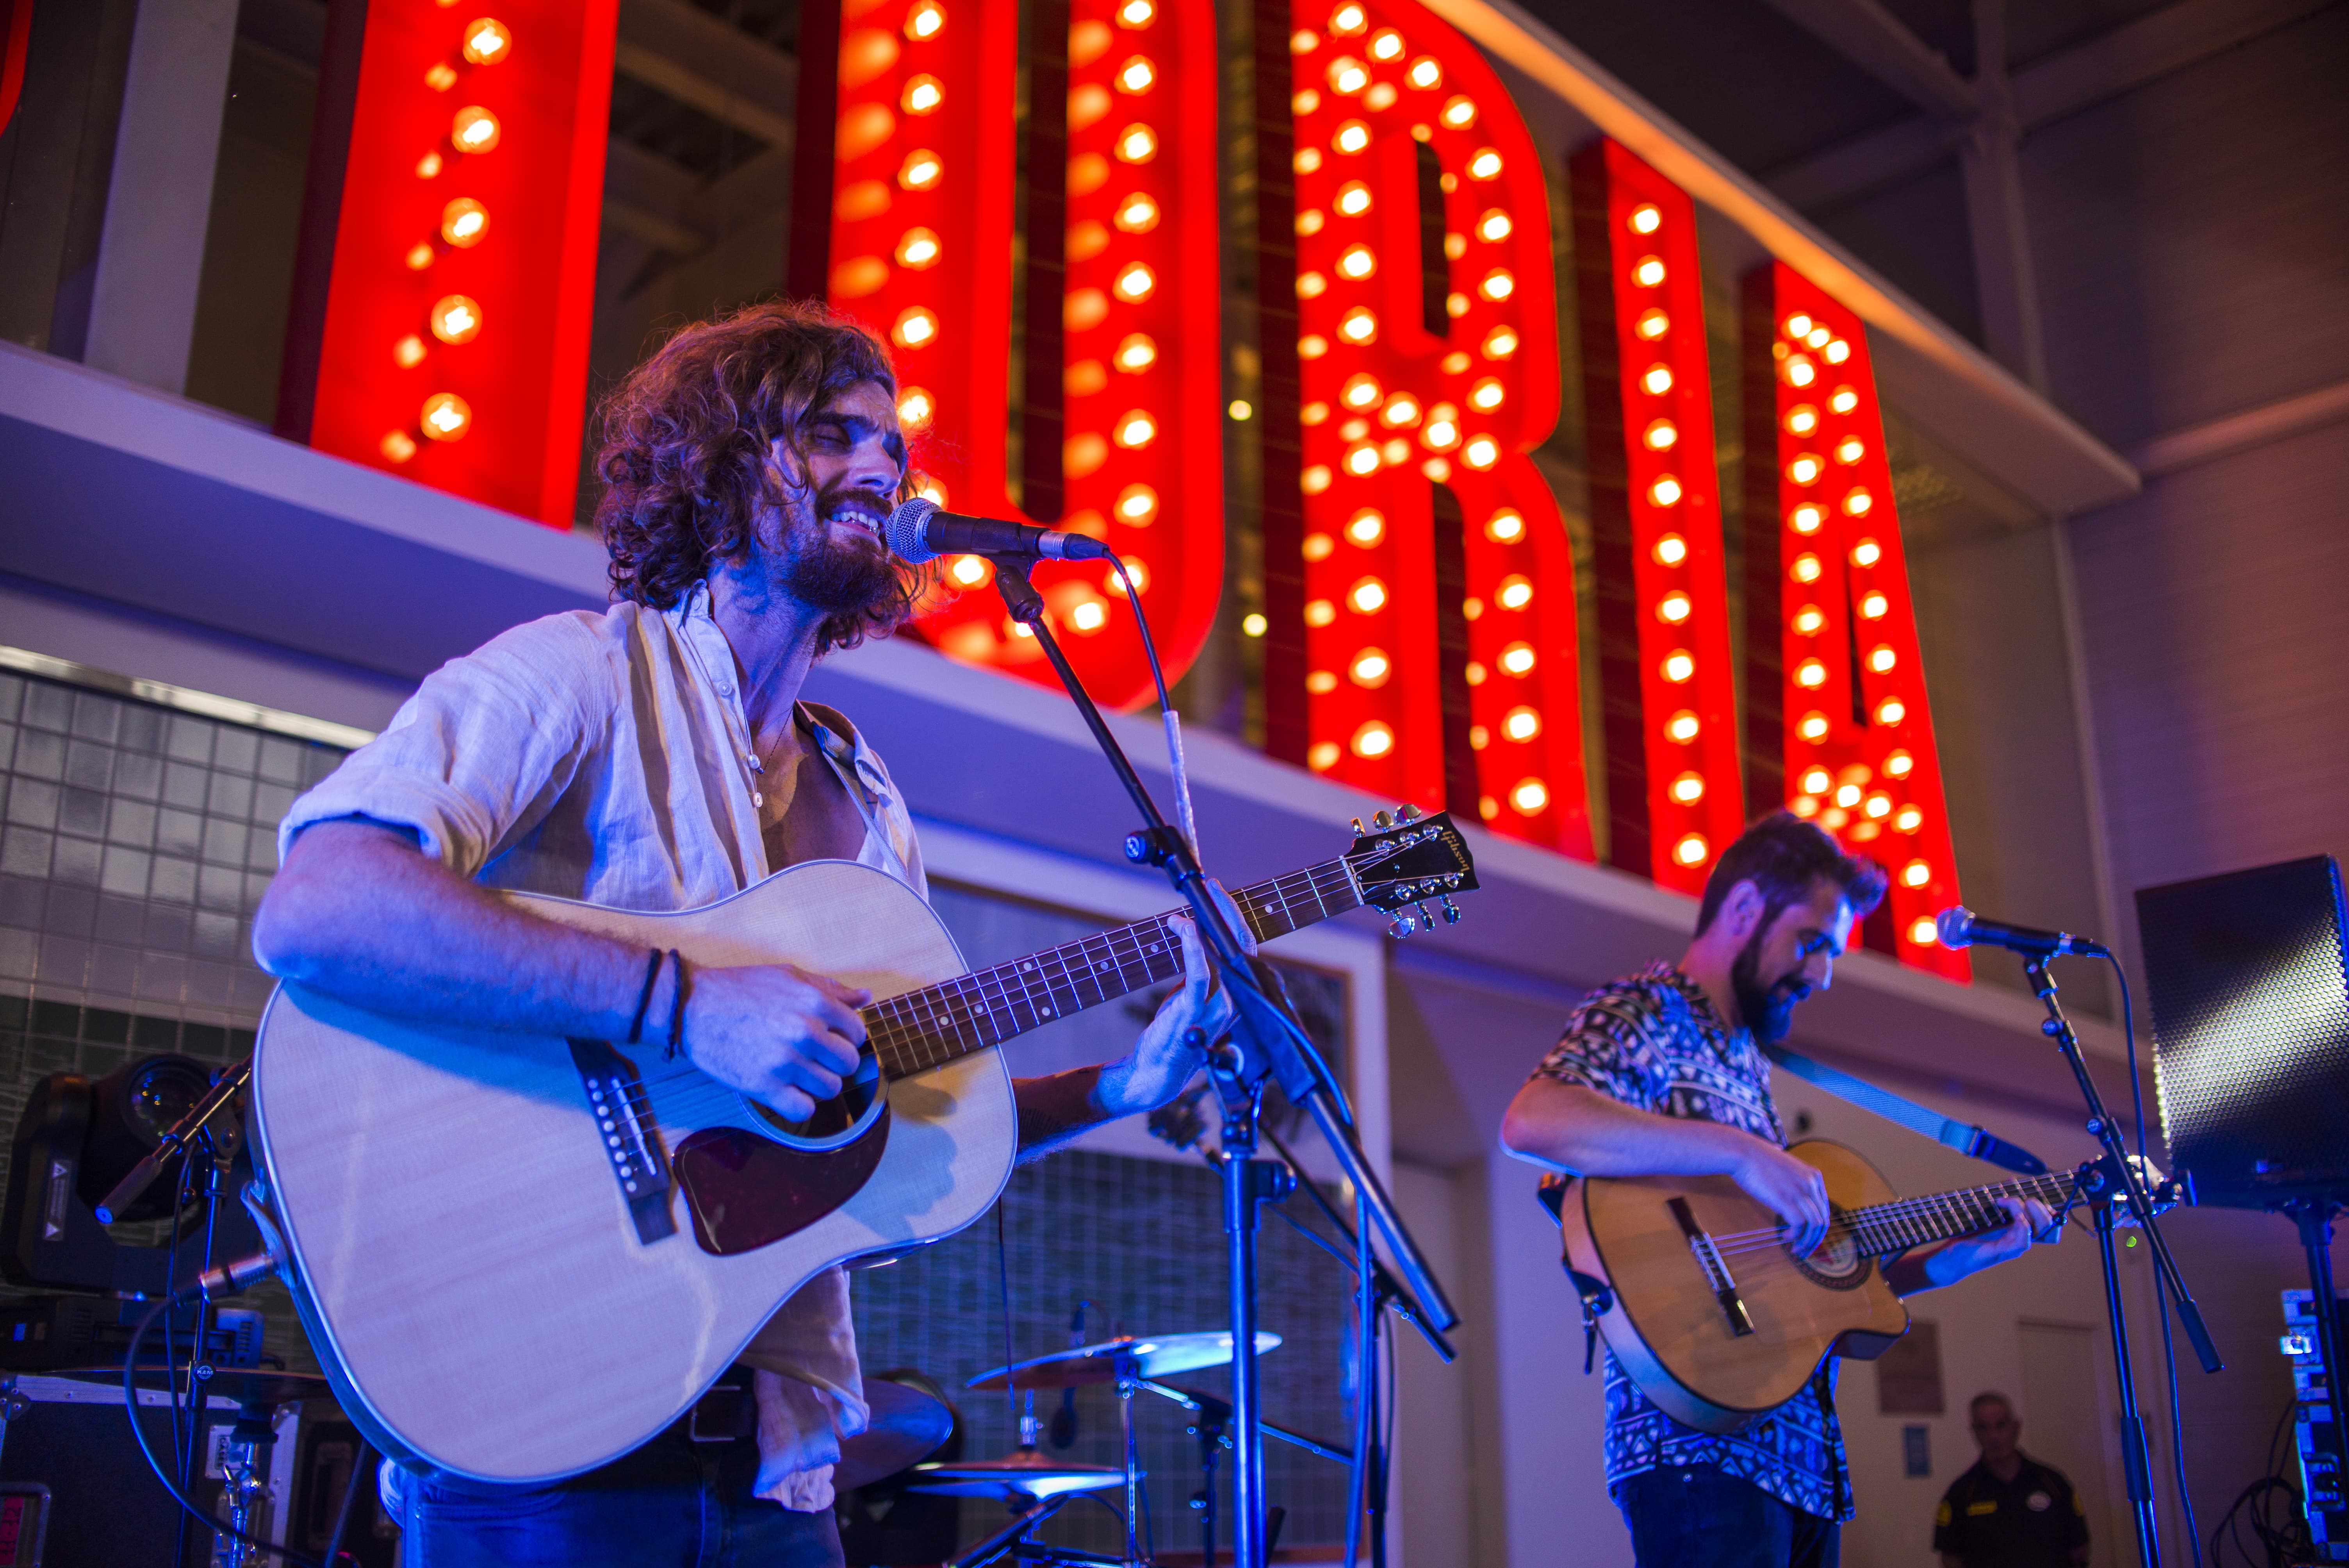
<point>1272,1036</point>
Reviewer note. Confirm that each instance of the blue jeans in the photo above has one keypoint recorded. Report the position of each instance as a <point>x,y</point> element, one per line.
<point>1697,1517</point>
<point>672,1501</point>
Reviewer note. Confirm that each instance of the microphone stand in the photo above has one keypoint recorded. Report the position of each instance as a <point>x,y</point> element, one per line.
<point>2115,1180</point>
<point>1275,1046</point>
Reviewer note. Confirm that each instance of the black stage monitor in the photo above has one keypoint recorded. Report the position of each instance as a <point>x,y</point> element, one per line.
<point>2250,1022</point>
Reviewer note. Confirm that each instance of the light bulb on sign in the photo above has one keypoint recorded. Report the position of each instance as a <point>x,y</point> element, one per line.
<point>1874,605</point>
<point>1370,668</point>
<point>1515,593</point>
<point>447,417</point>
<point>1909,819</point>
<point>1358,263</point>
<point>1529,797</point>
<point>919,248</point>
<point>1494,226</point>
<point>1810,620</point>
<point>1836,352</point>
<point>397,446</point>
<point>1253,625</point>
<point>1521,724</point>
<point>1366,527</point>
<point>420,256</point>
<point>1348,75</point>
<point>926,21</point>
<point>1844,401</point>
<point>1137,506</point>
<point>429,166</point>
<point>1657,380</point>
<point>1679,666</point>
<point>1138,214</point>
<point>1484,165</point>
<point>1924,933</point>
<point>1504,526</point>
<point>1891,711</point>
<point>1458,113</point>
<point>1139,144</point>
<point>1486,395</point>
<point>1424,74</point>
<point>914,328</point>
<point>1881,659</point>
<point>923,95</point>
<point>1797,327</point>
<point>1682,728</point>
<point>1136,75</point>
<point>1803,419</point>
<point>1850,450</point>
<point>1400,412</point>
<point>1517,658</point>
<point>408,352</point>
<point>1136,352</point>
<point>441,77</point>
<point>1670,550</point>
<point>1805,518</point>
<point>1811,674</point>
<point>1137,13</point>
<point>455,318</point>
<point>1659,436</point>
<point>464,223</point>
<point>1814,727</point>
<point>1665,491</point>
<point>1136,430</point>
<point>1647,272</point>
<point>1867,553</point>
<point>1359,326</point>
<point>1688,789</point>
<point>486,41</point>
<point>474,129</point>
<point>1692,849</point>
<point>1351,137</point>
<point>1386,43</point>
<point>1800,371</point>
<point>921,170</point>
<point>1817,781</point>
<point>1857,502</point>
<point>1675,608</point>
<point>1500,343</point>
<point>1136,283</point>
<point>1354,199</point>
<point>969,571</point>
<point>1367,597</point>
<point>1348,20</point>
<point>1645,219</point>
<point>1652,325</point>
<point>1373,739</point>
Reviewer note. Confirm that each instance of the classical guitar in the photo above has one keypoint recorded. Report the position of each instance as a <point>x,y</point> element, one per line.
<point>1706,1306</point>
<point>519,1258</point>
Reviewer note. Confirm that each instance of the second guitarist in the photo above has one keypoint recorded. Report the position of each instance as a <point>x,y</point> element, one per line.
<point>1660,1073</point>
<point>657,757</point>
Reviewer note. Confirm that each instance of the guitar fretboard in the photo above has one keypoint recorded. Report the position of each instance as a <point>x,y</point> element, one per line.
<point>925,1029</point>
<point>1882,1229</point>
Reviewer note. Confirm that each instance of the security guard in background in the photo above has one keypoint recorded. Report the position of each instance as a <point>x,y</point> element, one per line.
<point>2009,1511</point>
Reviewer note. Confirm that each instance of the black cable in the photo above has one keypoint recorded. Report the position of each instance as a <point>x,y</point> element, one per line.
<point>1003,1273</point>
<point>139,1430</point>
<point>361,1463</point>
<point>2160,1283</point>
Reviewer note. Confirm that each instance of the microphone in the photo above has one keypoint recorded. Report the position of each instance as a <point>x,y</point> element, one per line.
<point>1959,926</point>
<point>918,532</point>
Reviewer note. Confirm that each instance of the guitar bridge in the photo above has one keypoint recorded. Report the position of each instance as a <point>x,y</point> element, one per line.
<point>632,1143</point>
<point>1716,1269</point>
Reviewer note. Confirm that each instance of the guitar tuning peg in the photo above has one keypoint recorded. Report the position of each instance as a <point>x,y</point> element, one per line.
<point>1382,821</point>
<point>1406,813</point>
<point>1450,910</point>
<point>1403,926</point>
<point>1426,920</point>
<point>1359,829</point>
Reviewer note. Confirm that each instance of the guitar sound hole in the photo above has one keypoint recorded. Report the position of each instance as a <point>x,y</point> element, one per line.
<point>1837,1264</point>
<point>836,1120</point>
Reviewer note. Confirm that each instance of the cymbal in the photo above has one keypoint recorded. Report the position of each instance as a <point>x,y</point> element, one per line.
<point>1025,1475</point>
<point>907,1425</point>
<point>1158,1356</point>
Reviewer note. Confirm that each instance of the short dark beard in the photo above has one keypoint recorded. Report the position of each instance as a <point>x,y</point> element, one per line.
<point>1767,1010</point>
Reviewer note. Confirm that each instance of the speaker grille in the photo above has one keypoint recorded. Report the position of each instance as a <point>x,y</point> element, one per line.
<point>2250,1017</point>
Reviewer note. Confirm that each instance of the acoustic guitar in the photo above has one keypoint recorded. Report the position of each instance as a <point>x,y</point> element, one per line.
<point>519,1258</point>
<point>1708,1308</point>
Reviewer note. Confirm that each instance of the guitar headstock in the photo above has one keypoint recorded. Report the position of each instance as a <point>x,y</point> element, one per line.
<point>1404,859</point>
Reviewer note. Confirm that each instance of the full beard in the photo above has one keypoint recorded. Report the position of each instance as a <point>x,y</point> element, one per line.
<point>852,576</point>
<point>1767,1010</point>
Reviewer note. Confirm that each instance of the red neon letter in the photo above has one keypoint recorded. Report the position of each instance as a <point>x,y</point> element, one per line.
<point>1672,798</point>
<point>1827,595</point>
<point>455,346</point>
<point>921,250</point>
<point>1406,387</point>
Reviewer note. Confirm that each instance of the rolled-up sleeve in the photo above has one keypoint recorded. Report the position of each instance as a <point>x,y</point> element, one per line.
<point>481,751</point>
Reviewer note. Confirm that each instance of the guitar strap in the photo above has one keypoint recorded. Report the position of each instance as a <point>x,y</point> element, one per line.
<point>1963,1137</point>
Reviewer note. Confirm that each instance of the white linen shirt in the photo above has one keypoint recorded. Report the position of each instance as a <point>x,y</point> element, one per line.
<point>607,758</point>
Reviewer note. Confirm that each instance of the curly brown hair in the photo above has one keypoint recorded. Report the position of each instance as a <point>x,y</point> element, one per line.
<point>685,442</point>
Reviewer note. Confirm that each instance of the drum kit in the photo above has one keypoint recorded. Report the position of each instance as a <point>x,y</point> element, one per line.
<point>1036,1487</point>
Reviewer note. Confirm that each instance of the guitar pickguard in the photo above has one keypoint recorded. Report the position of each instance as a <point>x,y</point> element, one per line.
<point>745,1191</point>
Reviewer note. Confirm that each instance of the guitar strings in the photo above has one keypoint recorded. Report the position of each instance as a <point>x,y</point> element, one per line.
<point>1904,1222</point>
<point>933,1024</point>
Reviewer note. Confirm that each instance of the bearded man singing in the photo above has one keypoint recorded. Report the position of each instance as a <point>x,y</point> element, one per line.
<point>659,757</point>
<point>1661,1074</point>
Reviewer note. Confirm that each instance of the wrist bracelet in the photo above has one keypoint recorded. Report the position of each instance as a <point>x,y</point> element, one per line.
<point>644,998</point>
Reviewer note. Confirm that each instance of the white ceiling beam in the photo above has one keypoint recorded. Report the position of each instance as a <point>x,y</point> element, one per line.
<point>1878,43</point>
<point>2128,57</point>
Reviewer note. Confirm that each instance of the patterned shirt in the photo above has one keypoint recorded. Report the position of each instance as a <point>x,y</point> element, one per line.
<point>1653,1041</point>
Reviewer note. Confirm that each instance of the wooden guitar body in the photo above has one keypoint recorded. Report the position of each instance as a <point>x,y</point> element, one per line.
<point>480,1286</point>
<point>1668,1322</point>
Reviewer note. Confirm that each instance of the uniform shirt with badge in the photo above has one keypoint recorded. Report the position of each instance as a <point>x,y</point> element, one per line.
<point>2034,1521</point>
